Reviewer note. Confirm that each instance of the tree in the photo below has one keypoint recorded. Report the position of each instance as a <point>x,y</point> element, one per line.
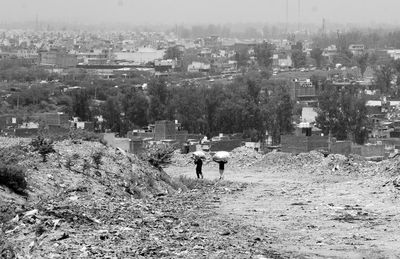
<point>112,115</point>
<point>189,106</point>
<point>342,114</point>
<point>298,46</point>
<point>316,54</point>
<point>242,56</point>
<point>276,112</point>
<point>135,106</point>
<point>299,58</point>
<point>173,53</point>
<point>263,53</point>
<point>158,94</point>
<point>80,105</point>
<point>362,62</point>
<point>384,75</point>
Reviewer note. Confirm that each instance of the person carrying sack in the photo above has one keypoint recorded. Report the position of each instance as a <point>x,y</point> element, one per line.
<point>199,164</point>
<point>221,169</point>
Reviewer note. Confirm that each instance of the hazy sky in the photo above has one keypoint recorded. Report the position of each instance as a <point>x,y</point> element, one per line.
<point>199,11</point>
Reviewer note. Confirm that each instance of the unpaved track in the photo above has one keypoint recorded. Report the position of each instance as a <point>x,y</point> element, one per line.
<point>313,215</point>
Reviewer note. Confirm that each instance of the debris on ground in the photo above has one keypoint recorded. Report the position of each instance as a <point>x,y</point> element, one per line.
<point>88,200</point>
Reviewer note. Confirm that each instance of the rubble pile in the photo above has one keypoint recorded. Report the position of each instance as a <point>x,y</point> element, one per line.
<point>72,169</point>
<point>278,158</point>
<point>73,166</point>
<point>244,157</point>
<point>310,158</point>
<point>79,209</point>
<point>185,226</point>
<point>390,167</point>
<point>316,162</point>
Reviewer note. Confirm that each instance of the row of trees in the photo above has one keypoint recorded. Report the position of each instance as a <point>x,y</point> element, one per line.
<point>251,104</point>
<point>385,75</point>
<point>247,105</point>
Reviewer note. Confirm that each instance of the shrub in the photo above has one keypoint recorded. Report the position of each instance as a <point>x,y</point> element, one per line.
<point>14,178</point>
<point>75,156</point>
<point>159,156</point>
<point>86,165</point>
<point>135,192</point>
<point>96,157</point>
<point>6,249</point>
<point>43,146</point>
<point>68,163</point>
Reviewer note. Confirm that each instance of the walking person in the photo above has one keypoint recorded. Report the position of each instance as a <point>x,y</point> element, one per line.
<point>199,164</point>
<point>221,169</point>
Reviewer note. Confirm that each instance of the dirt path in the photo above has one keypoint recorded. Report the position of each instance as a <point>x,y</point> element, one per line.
<point>314,216</point>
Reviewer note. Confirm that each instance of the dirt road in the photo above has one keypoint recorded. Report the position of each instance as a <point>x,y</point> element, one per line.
<point>314,215</point>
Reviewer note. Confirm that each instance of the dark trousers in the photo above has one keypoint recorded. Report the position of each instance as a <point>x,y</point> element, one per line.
<point>199,173</point>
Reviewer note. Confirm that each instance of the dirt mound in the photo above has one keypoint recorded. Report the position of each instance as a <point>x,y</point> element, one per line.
<point>289,160</point>
<point>390,167</point>
<point>80,186</point>
<point>244,157</point>
<point>74,168</point>
<point>277,158</point>
<point>79,208</point>
<point>310,158</point>
<point>315,162</point>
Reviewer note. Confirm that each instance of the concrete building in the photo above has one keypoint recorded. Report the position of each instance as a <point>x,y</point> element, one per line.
<point>394,53</point>
<point>141,56</point>
<point>58,59</point>
<point>330,52</point>
<point>165,65</point>
<point>357,49</point>
<point>303,90</point>
<point>282,60</point>
<point>54,119</point>
<point>198,67</point>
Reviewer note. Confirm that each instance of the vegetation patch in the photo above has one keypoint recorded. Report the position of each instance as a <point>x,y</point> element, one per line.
<point>159,156</point>
<point>43,146</point>
<point>14,178</point>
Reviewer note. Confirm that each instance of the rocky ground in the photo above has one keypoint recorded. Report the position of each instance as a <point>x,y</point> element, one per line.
<point>269,206</point>
<point>312,206</point>
<point>119,208</point>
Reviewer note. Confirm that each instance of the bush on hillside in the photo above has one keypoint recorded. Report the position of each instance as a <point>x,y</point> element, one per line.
<point>14,178</point>
<point>96,157</point>
<point>42,146</point>
<point>159,156</point>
